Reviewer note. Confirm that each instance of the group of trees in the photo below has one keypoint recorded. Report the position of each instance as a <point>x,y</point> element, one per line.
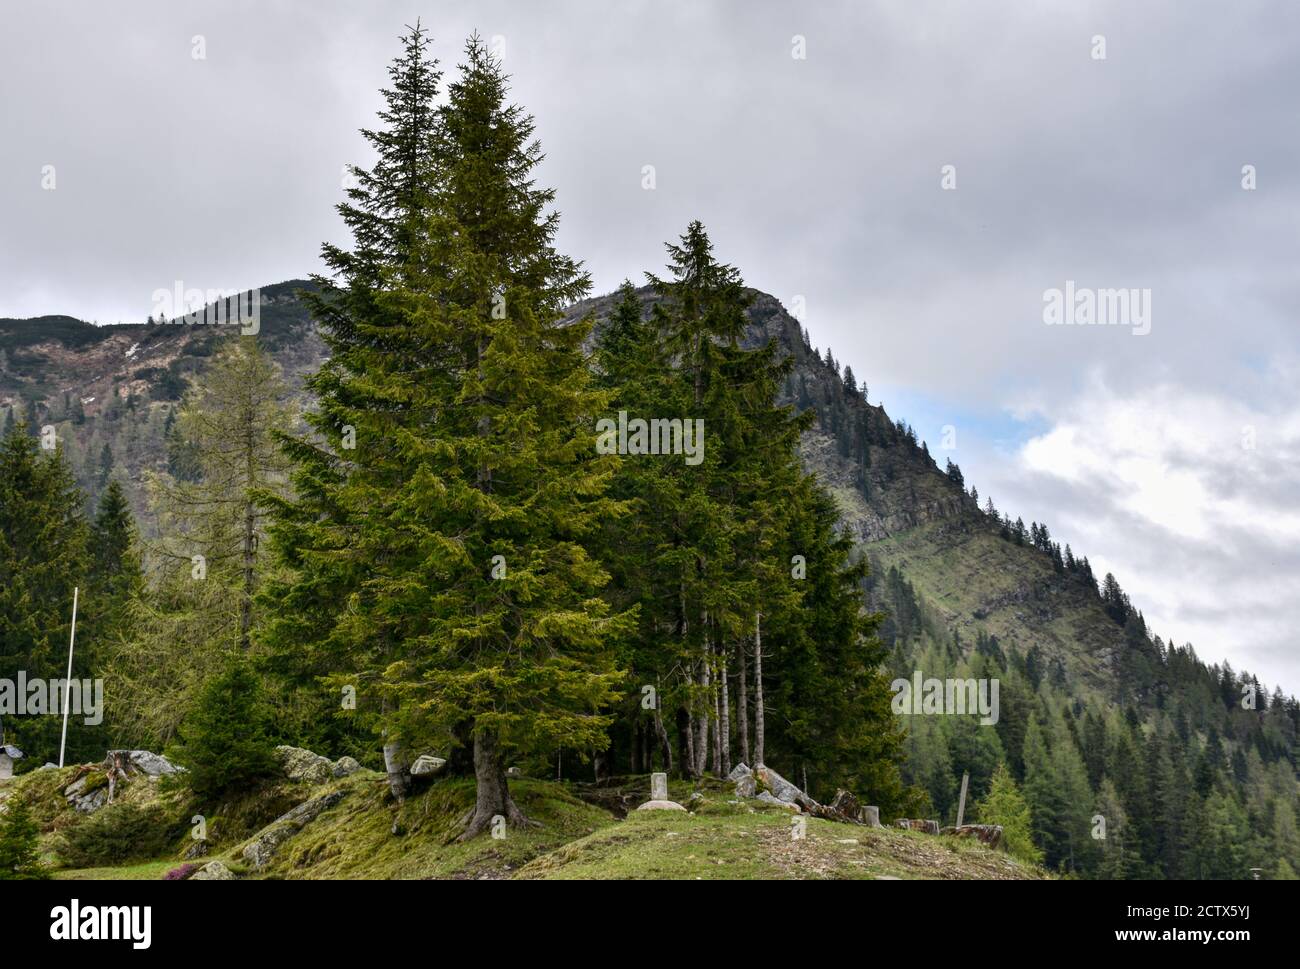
<point>48,548</point>
<point>441,556</point>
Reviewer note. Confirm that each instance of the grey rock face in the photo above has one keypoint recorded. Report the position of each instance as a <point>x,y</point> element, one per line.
<point>781,789</point>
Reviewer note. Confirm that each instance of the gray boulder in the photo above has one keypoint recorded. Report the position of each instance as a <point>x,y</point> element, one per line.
<point>142,761</point>
<point>739,771</point>
<point>661,806</point>
<point>345,767</point>
<point>213,871</point>
<point>781,789</point>
<point>90,803</point>
<point>426,765</point>
<point>767,798</point>
<point>299,764</point>
<point>746,786</point>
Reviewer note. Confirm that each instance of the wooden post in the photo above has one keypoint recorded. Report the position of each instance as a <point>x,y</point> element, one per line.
<point>67,688</point>
<point>961,804</point>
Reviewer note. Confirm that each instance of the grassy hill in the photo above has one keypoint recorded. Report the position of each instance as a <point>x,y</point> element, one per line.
<point>584,833</point>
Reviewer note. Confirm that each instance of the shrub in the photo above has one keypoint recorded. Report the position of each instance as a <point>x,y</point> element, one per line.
<point>19,851</point>
<point>181,873</point>
<point>116,834</point>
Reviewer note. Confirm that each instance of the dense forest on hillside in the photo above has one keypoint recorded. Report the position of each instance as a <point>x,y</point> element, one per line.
<point>449,534</point>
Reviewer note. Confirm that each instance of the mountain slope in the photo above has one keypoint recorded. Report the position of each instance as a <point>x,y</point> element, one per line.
<point>905,512</point>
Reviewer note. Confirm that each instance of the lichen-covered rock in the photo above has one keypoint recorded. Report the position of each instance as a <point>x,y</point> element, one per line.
<point>142,761</point>
<point>739,771</point>
<point>426,765</point>
<point>781,789</point>
<point>213,871</point>
<point>262,849</point>
<point>345,767</point>
<point>89,803</point>
<point>299,764</point>
<point>746,786</point>
<point>767,798</point>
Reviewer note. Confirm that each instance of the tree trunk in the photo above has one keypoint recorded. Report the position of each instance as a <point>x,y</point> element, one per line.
<point>460,759</point>
<point>686,742</point>
<point>742,703</point>
<point>638,740</point>
<point>492,797</point>
<point>249,543</point>
<point>758,689</point>
<point>702,735</point>
<point>399,781</point>
<point>724,721</point>
<point>665,747</point>
<point>395,765</point>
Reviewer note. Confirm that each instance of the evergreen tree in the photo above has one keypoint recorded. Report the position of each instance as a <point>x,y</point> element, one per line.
<point>207,559</point>
<point>20,858</point>
<point>1005,805</point>
<point>467,505</point>
<point>224,740</point>
<point>43,556</point>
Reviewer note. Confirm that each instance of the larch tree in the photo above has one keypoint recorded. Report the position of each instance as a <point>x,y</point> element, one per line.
<point>205,566</point>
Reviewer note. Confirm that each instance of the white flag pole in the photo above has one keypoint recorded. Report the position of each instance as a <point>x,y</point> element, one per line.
<point>67,689</point>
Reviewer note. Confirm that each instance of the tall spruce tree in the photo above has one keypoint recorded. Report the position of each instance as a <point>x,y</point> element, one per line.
<point>455,532</point>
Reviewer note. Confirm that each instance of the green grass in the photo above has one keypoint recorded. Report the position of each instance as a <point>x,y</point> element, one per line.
<point>976,580</point>
<point>745,843</point>
<point>720,838</point>
<point>354,839</point>
<point>141,871</point>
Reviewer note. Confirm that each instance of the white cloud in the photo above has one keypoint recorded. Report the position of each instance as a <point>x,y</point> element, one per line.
<point>1163,487</point>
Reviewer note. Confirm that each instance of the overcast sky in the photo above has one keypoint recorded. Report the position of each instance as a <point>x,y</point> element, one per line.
<point>1171,458</point>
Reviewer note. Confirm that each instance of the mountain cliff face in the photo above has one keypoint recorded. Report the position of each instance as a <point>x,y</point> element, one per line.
<point>110,390</point>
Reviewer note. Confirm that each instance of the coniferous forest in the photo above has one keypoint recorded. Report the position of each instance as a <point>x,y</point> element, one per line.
<point>506,547</point>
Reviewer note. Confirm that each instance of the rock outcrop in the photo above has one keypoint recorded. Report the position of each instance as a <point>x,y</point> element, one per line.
<point>427,765</point>
<point>263,848</point>
<point>141,761</point>
<point>213,871</point>
<point>299,764</point>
